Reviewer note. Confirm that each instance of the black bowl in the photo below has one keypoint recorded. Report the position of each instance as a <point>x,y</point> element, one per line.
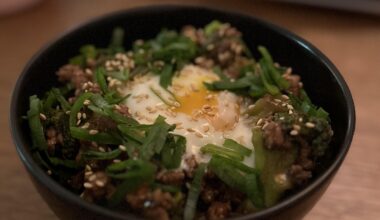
<point>321,79</point>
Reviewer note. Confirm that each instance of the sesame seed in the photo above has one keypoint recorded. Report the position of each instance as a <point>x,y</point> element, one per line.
<point>116,161</point>
<point>93,132</point>
<point>260,121</point>
<point>296,127</point>
<point>250,107</point>
<point>79,115</point>
<point>300,119</point>
<point>86,102</point>
<point>206,128</point>
<point>101,149</point>
<point>86,125</point>
<point>282,118</point>
<point>79,121</point>
<point>290,112</point>
<point>293,132</point>
<point>99,183</point>
<point>190,130</point>
<point>277,100</point>
<point>88,167</point>
<point>67,112</point>
<point>84,116</point>
<point>285,97</point>
<point>122,148</point>
<point>92,178</point>
<point>42,117</point>
<point>198,135</point>
<point>265,125</point>
<point>310,124</point>
<point>49,172</point>
<point>290,107</point>
<point>88,173</point>
<point>87,185</point>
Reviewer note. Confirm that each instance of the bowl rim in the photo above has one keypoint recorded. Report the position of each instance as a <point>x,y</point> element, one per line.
<point>67,195</point>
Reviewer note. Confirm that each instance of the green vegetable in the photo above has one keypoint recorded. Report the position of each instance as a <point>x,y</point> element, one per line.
<point>122,75</point>
<point>166,76</point>
<point>165,96</point>
<point>116,44</point>
<point>77,106</point>
<point>86,52</point>
<point>101,80</point>
<point>155,138</point>
<point>217,150</point>
<point>273,166</point>
<point>227,173</point>
<point>65,163</point>
<point>171,154</point>
<point>136,173</point>
<point>231,144</point>
<point>58,95</point>
<point>254,190</point>
<point>101,138</point>
<point>35,125</point>
<point>235,164</point>
<point>194,191</point>
<point>212,27</point>
<point>96,155</point>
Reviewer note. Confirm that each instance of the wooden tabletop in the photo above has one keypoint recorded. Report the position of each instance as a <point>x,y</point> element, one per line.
<point>351,41</point>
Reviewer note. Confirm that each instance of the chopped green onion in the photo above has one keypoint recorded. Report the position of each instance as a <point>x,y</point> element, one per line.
<point>64,103</point>
<point>101,138</point>
<point>212,27</point>
<point>227,173</point>
<point>166,76</point>
<point>171,154</point>
<point>233,145</point>
<point>35,125</point>
<point>97,155</point>
<point>101,80</point>
<point>236,164</point>
<point>194,191</point>
<point>66,163</point>
<point>165,96</point>
<point>254,190</point>
<point>78,104</point>
<point>216,150</point>
<point>155,138</point>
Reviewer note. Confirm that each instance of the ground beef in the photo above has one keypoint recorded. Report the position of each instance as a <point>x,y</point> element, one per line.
<point>97,186</point>
<point>295,83</point>
<point>74,74</point>
<point>218,210</point>
<point>152,204</point>
<point>171,177</point>
<point>299,174</point>
<point>101,123</point>
<point>157,213</point>
<point>274,136</point>
<point>123,110</point>
<point>192,164</point>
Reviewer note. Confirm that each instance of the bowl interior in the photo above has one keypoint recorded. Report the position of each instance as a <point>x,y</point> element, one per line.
<point>322,81</point>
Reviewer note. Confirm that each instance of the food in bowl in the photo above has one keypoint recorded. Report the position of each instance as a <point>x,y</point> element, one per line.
<point>185,125</point>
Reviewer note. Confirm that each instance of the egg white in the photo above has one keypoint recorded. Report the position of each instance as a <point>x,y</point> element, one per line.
<point>145,107</point>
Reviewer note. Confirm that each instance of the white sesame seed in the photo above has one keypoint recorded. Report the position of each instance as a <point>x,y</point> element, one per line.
<point>67,112</point>
<point>79,115</point>
<point>101,149</point>
<point>49,172</point>
<point>87,185</point>
<point>300,119</point>
<point>86,125</point>
<point>116,161</point>
<point>92,178</point>
<point>42,117</point>
<point>84,116</point>
<point>296,127</point>
<point>99,183</point>
<point>293,132</point>
<point>79,121</point>
<point>250,107</point>
<point>282,118</point>
<point>277,100</point>
<point>285,97</point>
<point>310,124</point>
<point>260,121</point>
<point>88,167</point>
<point>290,112</point>
<point>93,132</point>
<point>265,125</point>
<point>190,130</point>
<point>88,173</point>
<point>198,135</point>
<point>86,102</point>
<point>122,148</point>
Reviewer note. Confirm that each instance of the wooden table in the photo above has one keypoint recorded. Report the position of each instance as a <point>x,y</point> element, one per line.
<point>351,41</point>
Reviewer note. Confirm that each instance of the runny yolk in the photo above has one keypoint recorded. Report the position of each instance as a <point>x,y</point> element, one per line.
<point>195,100</point>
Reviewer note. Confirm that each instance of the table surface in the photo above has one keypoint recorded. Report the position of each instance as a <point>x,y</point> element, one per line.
<point>350,40</point>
